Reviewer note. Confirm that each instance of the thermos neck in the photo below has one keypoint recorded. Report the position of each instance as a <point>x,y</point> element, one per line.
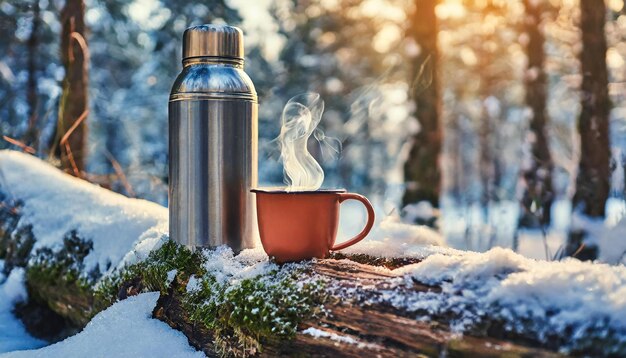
<point>212,60</point>
<point>221,44</point>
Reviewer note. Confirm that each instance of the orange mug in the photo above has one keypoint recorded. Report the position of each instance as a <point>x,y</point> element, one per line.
<point>302,225</point>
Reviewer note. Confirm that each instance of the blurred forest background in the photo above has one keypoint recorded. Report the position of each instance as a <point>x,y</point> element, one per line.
<point>497,117</point>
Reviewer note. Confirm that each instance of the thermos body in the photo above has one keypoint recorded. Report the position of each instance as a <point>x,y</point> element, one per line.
<point>213,143</point>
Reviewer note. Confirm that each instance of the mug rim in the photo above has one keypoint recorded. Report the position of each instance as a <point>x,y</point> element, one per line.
<point>284,191</point>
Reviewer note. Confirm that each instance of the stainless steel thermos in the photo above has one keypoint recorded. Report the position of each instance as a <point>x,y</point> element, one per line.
<point>213,142</point>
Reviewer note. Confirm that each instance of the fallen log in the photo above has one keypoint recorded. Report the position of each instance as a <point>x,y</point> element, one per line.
<point>348,305</point>
<point>349,329</point>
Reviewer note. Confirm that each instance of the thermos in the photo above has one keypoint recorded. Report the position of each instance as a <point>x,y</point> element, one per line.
<point>213,142</point>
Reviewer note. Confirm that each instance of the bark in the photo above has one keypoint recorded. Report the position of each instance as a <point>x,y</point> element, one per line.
<point>538,175</point>
<point>592,183</point>
<point>74,100</point>
<point>422,170</point>
<point>31,135</point>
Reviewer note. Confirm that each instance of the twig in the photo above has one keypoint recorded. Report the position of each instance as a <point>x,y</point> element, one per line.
<point>120,173</point>
<point>23,146</point>
<point>76,36</point>
<point>580,248</point>
<point>544,235</point>
<point>559,253</point>
<point>66,145</point>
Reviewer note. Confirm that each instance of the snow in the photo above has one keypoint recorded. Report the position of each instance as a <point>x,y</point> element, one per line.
<point>610,240</point>
<point>230,268</point>
<point>422,210</point>
<point>123,230</point>
<point>171,275</point>
<point>13,335</point>
<point>318,333</point>
<point>556,297</point>
<point>475,228</point>
<point>125,329</point>
<point>390,237</point>
<point>612,244</point>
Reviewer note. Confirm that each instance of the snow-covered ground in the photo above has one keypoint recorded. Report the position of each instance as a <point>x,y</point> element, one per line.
<point>13,335</point>
<point>125,329</point>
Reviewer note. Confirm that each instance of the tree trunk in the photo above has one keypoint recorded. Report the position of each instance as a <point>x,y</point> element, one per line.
<point>71,147</point>
<point>31,136</point>
<point>422,170</point>
<point>592,183</point>
<point>538,194</point>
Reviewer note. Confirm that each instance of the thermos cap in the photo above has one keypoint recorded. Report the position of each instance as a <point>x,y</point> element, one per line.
<point>213,41</point>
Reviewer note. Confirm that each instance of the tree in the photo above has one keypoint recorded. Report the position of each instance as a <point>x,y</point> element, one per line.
<point>422,170</point>
<point>592,183</point>
<point>70,142</point>
<point>537,175</point>
<point>133,62</point>
<point>31,135</point>
<point>28,68</point>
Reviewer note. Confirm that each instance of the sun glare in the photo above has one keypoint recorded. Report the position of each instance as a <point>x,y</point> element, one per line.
<point>450,9</point>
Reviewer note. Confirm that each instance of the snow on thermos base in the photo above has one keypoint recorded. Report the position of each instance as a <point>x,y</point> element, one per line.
<point>213,142</point>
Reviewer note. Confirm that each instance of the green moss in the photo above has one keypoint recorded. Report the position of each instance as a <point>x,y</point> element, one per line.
<point>245,314</point>
<point>57,278</point>
<point>242,315</point>
<point>151,273</point>
<point>66,264</point>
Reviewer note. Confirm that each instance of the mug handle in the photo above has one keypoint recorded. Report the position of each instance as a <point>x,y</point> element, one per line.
<point>368,226</point>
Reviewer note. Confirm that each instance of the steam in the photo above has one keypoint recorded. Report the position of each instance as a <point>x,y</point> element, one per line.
<point>300,119</point>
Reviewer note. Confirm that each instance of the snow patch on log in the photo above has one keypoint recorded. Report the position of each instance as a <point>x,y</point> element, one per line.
<point>582,301</point>
<point>122,230</point>
<point>229,268</point>
<point>318,333</point>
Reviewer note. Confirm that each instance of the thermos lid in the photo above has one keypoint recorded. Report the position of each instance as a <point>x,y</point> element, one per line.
<point>213,41</point>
